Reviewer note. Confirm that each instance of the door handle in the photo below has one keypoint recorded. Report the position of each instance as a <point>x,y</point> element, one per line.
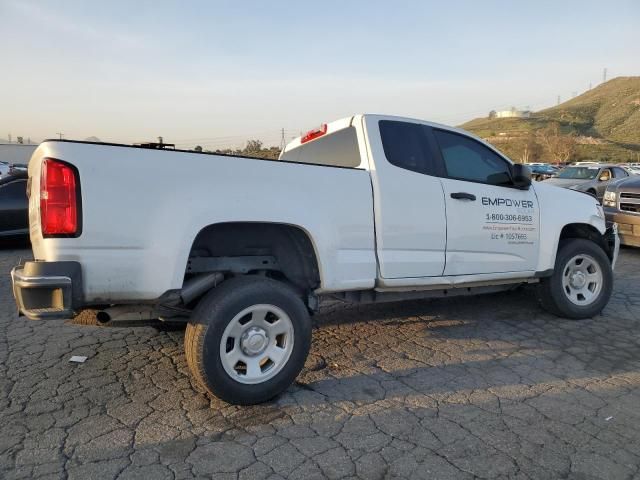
<point>463,196</point>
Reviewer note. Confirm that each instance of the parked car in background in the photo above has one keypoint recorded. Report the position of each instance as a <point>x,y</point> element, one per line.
<point>14,205</point>
<point>622,206</point>
<point>15,154</point>
<point>631,169</point>
<point>587,178</point>
<point>542,171</point>
<point>17,167</point>
<point>4,169</point>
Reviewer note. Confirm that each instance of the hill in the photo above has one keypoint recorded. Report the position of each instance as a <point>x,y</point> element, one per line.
<point>603,122</point>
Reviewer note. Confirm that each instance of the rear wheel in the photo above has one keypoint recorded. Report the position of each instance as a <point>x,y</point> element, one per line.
<point>582,281</point>
<point>248,339</point>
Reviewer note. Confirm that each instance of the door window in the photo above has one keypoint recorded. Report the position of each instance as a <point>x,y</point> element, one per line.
<point>467,159</point>
<point>619,172</point>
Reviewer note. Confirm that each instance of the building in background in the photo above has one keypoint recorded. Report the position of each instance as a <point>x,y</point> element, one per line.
<point>513,112</point>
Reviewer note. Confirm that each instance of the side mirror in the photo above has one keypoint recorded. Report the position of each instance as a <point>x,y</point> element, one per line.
<point>521,176</point>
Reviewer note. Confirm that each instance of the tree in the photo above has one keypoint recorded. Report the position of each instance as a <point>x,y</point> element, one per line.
<point>560,147</point>
<point>532,150</point>
<point>253,146</point>
<point>198,148</point>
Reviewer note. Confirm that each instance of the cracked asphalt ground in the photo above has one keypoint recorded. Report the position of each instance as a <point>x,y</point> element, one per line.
<point>474,387</point>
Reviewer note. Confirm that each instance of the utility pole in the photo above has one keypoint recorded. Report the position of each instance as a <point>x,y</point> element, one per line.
<point>61,135</point>
<point>283,142</point>
<point>604,75</point>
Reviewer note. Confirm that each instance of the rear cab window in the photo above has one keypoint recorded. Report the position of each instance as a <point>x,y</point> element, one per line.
<point>336,149</point>
<point>406,145</point>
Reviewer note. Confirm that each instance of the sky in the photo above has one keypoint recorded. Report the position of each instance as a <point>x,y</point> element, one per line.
<point>216,73</point>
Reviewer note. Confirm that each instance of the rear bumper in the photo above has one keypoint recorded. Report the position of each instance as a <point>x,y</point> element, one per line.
<point>47,290</point>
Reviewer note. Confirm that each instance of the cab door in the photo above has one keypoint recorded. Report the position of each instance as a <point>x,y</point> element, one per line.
<point>492,227</point>
<point>409,205</point>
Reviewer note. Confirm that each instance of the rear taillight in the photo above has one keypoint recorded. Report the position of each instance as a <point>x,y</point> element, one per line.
<point>59,199</point>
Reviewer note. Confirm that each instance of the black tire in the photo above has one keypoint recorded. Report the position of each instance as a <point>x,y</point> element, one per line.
<point>551,292</point>
<point>210,319</point>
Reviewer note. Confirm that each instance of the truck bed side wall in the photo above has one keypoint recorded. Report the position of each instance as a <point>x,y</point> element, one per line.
<point>142,210</point>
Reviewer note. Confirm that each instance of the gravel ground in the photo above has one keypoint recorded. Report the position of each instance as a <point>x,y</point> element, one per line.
<point>475,387</point>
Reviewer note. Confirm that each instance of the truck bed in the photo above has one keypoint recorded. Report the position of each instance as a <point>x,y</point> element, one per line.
<point>142,208</point>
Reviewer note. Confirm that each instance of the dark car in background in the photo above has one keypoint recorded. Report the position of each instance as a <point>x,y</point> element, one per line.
<point>542,171</point>
<point>592,178</point>
<point>4,168</point>
<point>14,205</point>
<point>17,167</point>
<point>622,205</point>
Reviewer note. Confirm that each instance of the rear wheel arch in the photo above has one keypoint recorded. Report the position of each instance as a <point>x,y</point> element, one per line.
<point>292,246</point>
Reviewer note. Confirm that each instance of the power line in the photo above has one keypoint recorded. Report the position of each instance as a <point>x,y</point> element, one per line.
<point>283,142</point>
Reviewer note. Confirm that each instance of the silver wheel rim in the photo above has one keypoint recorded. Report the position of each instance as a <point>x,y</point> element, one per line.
<point>257,344</point>
<point>582,280</point>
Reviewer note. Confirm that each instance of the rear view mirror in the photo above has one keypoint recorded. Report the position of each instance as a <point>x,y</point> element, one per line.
<point>521,176</point>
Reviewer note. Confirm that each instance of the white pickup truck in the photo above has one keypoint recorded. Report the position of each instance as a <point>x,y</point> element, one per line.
<point>369,208</point>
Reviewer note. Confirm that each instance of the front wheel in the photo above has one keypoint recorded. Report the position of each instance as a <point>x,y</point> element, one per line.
<point>248,339</point>
<point>582,281</point>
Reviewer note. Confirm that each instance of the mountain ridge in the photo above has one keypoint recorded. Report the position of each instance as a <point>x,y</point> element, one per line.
<point>605,121</point>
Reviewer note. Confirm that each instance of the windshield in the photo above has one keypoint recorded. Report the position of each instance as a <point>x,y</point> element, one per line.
<point>579,173</point>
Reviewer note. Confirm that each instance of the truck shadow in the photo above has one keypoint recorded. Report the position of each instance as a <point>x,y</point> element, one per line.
<point>447,346</point>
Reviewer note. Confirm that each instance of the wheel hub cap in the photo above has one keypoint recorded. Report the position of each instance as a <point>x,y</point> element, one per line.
<point>254,341</point>
<point>582,280</point>
<point>578,280</point>
<point>257,343</point>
